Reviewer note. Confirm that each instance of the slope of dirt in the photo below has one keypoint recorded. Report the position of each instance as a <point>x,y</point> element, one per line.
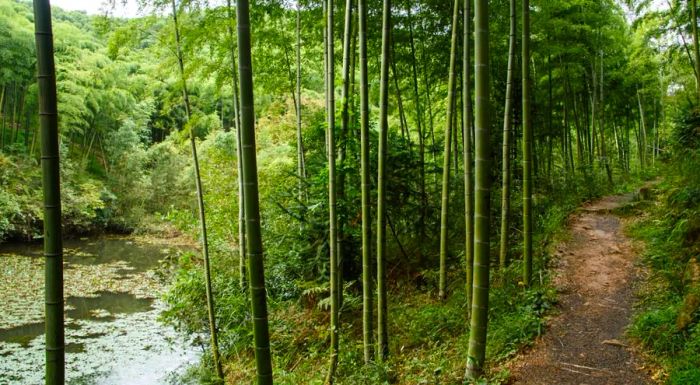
<point>584,344</point>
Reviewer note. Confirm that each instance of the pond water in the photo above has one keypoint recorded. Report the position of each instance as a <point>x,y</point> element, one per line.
<point>113,336</point>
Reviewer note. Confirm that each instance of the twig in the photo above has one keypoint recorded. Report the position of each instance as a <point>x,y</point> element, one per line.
<point>583,367</point>
<point>575,371</point>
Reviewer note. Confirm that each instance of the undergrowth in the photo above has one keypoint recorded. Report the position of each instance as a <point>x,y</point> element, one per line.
<point>428,338</point>
<point>666,321</point>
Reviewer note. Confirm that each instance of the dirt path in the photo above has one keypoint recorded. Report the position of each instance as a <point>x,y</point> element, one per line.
<point>584,344</point>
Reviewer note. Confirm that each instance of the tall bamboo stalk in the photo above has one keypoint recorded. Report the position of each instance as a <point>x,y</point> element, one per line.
<point>480,301</point>
<point>382,323</point>
<point>367,313</point>
<point>527,147</point>
<point>446,160</point>
<point>200,204</point>
<point>332,206</point>
<point>301,160</point>
<point>421,136</point>
<point>344,127</point>
<point>642,134</point>
<point>258,295</point>
<point>507,121</point>
<point>696,44</point>
<point>237,127</point>
<point>51,184</point>
<point>603,147</point>
<point>467,122</point>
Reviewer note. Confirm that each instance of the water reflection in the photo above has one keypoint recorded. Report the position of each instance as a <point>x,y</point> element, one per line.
<point>113,336</point>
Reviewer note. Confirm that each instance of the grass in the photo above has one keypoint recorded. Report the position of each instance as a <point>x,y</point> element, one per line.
<point>428,337</point>
<point>666,320</point>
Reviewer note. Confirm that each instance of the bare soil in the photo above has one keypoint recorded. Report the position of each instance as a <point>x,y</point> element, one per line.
<point>585,343</point>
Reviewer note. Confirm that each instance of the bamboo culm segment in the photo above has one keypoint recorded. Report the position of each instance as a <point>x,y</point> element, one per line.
<point>301,160</point>
<point>256,270</point>
<point>446,160</point>
<point>507,122</point>
<point>382,316</point>
<point>51,184</point>
<point>332,204</point>
<point>367,289</point>
<point>200,205</point>
<point>467,152</point>
<point>237,127</point>
<point>480,300</point>
<point>527,148</point>
<point>696,44</point>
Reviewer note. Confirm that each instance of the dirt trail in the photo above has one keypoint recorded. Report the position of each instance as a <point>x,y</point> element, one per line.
<point>584,344</point>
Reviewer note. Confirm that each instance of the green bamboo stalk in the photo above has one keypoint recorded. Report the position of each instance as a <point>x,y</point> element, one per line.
<point>507,121</point>
<point>200,205</point>
<point>382,316</point>
<point>301,160</point>
<point>527,148</point>
<point>696,44</point>
<point>642,139</point>
<point>325,62</point>
<point>332,204</point>
<point>467,122</point>
<point>480,301</point>
<point>51,184</point>
<point>367,313</point>
<point>256,269</point>
<point>237,127</point>
<point>344,126</point>
<point>421,135</point>
<point>446,160</point>
<point>603,147</point>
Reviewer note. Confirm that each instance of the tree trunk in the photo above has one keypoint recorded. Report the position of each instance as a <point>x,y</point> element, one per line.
<point>429,103</point>
<point>256,268</point>
<point>3,111</point>
<point>527,148</point>
<point>332,192</point>
<point>20,112</point>
<point>446,160</point>
<point>399,100</point>
<point>367,290</point>
<point>333,217</point>
<point>26,128</point>
<point>301,160</point>
<point>14,126</point>
<point>200,204</point>
<point>642,134</point>
<point>696,44</point>
<point>382,309</point>
<point>603,150</point>
<point>345,122</point>
<point>456,123</point>
<point>325,62</point>
<point>421,137</point>
<point>480,301</point>
<point>507,115</point>
<point>50,167</point>
<point>237,127</point>
<point>467,149</point>
<point>579,141</point>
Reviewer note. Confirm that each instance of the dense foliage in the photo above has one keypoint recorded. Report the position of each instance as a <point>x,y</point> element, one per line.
<point>602,112</point>
<point>667,221</point>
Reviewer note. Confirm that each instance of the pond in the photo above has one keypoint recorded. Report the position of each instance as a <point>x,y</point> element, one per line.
<point>113,335</point>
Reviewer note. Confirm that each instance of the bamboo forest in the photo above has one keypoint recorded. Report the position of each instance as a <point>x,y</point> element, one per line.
<point>411,192</point>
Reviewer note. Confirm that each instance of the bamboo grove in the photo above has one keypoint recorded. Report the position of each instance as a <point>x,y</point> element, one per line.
<point>377,146</point>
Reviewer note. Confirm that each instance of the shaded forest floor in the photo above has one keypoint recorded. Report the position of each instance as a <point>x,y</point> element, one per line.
<point>595,273</point>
